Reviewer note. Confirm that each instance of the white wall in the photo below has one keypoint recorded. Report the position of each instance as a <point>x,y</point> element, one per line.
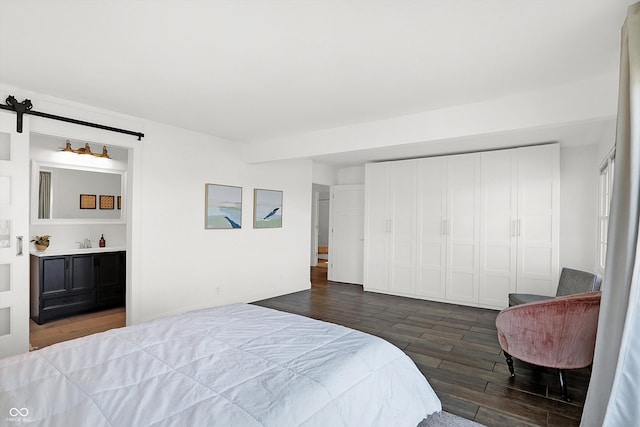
<point>184,266</point>
<point>578,207</point>
<point>351,175</point>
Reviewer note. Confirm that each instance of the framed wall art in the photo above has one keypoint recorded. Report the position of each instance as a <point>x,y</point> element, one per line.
<point>119,202</point>
<point>267,208</point>
<point>87,201</point>
<point>223,206</point>
<point>106,202</point>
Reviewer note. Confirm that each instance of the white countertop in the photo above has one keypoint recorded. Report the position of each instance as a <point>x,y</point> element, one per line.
<point>74,251</point>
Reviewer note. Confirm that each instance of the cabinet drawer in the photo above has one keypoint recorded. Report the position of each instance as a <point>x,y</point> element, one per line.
<point>69,301</point>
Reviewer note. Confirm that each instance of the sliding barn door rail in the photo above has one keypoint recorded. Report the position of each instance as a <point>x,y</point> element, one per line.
<point>25,107</point>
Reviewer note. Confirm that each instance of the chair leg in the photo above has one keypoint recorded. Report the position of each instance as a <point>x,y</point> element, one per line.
<point>509,363</point>
<point>563,384</point>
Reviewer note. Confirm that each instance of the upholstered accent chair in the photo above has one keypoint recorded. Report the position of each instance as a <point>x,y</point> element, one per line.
<point>571,282</point>
<point>557,333</point>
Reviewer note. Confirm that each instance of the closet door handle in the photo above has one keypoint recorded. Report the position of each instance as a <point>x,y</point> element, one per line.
<point>513,228</point>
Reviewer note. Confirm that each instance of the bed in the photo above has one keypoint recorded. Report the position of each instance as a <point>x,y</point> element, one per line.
<point>235,365</point>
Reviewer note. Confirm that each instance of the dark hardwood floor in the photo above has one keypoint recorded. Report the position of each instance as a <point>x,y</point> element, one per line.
<point>454,346</point>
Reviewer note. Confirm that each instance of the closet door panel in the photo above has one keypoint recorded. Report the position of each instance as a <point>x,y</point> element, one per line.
<point>377,227</point>
<point>402,185</point>
<point>432,196</point>
<point>498,217</point>
<point>462,227</point>
<point>538,213</point>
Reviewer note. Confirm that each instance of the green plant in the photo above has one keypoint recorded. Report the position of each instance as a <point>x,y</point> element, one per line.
<point>41,240</point>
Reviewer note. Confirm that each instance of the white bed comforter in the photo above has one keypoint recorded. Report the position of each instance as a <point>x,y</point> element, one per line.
<point>236,365</point>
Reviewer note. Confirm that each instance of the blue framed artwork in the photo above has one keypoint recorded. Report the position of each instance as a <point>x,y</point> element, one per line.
<point>223,207</point>
<point>267,208</point>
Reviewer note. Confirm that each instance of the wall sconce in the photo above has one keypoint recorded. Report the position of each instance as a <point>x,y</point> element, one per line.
<point>86,150</point>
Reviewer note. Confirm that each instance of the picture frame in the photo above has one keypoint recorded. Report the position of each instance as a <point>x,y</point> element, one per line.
<point>223,207</point>
<point>267,208</point>
<point>88,201</point>
<point>119,202</point>
<point>107,202</point>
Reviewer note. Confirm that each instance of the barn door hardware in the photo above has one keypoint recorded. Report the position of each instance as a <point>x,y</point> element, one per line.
<point>25,107</point>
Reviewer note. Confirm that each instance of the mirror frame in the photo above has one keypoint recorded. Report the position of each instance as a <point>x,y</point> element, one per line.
<point>35,183</point>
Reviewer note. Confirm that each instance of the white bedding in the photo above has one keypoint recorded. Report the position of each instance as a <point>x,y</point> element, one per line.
<point>236,365</point>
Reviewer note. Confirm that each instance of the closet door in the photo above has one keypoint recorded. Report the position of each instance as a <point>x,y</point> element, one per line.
<point>377,227</point>
<point>432,242</point>
<point>498,217</point>
<point>462,227</point>
<point>538,224</point>
<point>403,218</point>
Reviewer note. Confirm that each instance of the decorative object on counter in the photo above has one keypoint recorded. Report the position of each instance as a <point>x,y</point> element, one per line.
<point>86,150</point>
<point>106,202</point>
<point>102,243</point>
<point>87,201</point>
<point>42,242</point>
<point>223,206</point>
<point>267,208</point>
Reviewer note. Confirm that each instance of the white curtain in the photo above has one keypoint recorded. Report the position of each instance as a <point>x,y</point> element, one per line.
<point>613,398</point>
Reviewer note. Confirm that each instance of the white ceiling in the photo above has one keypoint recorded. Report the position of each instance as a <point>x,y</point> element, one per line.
<point>258,69</point>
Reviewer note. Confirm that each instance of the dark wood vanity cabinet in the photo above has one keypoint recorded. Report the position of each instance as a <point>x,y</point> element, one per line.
<point>65,285</point>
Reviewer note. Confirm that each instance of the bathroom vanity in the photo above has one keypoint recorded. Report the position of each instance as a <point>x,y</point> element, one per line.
<point>68,282</point>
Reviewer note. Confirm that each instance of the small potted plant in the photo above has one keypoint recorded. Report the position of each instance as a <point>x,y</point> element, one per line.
<point>42,242</point>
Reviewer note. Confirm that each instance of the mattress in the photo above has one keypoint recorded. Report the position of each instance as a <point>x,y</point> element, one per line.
<point>235,365</point>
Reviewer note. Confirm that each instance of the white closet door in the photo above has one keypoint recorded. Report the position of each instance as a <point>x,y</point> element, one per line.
<point>538,211</point>
<point>402,201</point>
<point>346,236</point>
<point>432,197</point>
<point>498,241</point>
<point>463,227</point>
<point>377,227</point>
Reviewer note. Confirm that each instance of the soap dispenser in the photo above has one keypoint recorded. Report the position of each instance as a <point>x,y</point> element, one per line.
<point>102,242</point>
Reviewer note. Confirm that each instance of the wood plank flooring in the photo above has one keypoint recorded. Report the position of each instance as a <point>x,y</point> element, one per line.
<point>75,327</point>
<point>455,347</point>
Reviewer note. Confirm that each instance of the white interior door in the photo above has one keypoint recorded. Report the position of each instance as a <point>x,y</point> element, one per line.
<point>14,237</point>
<point>346,245</point>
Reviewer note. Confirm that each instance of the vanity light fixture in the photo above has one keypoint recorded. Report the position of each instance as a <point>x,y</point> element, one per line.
<point>86,150</point>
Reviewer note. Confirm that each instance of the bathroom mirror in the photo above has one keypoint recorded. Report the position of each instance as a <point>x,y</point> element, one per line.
<point>69,194</point>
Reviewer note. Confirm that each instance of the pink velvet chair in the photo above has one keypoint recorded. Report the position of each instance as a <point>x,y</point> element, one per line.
<point>557,333</point>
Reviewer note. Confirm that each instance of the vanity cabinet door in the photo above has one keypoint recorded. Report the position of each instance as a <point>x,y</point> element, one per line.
<point>110,278</point>
<point>53,276</point>
<point>82,273</point>
<point>107,269</point>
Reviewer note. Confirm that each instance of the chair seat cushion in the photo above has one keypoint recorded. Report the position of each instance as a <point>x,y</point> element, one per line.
<point>517,299</point>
